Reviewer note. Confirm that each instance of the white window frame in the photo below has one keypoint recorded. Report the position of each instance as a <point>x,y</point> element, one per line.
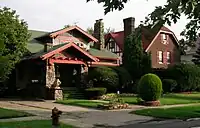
<point>164,38</point>
<point>160,57</point>
<point>168,57</point>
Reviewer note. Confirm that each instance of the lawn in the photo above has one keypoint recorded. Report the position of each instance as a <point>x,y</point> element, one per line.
<point>171,113</point>
<point>8,113</point>
<point>82,103</point>
<point>170,99</point>
<point>31,124</point>
<point>167,99</point>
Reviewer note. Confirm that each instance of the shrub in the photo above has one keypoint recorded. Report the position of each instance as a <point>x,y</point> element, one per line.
<point>95,92</point>
<point>168,85</point>
<point>150,87</point>
<point>187,76</point>
<point>125,79</point>
<point>104,77</point>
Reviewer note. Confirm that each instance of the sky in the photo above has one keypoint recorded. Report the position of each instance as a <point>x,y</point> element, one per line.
<point>51,15</point>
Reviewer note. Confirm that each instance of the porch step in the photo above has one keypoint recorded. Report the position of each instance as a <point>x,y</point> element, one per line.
<point>72,92</point>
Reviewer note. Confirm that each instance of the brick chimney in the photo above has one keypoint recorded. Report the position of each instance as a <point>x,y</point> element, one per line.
<point>99,33</point>
<point>129,26</point>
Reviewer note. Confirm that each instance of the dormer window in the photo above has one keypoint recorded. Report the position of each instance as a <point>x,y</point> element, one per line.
<point>164,38</point>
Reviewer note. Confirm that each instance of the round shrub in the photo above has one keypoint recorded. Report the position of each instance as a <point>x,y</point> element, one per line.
<point>168,85</point>
<point>94,93</point>
<point>104,77</point>
<point>150,87</point>
<point>187,77</point>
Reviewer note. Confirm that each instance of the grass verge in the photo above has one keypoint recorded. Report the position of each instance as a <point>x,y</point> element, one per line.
<point>82,103</point>
<point>31,124</point>
<point>170,99</point>
<point>8,113</point>
<point>171,113</point>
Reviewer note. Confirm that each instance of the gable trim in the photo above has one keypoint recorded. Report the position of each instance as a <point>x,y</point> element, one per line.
<point>71,28</point>
<point>68,46</point>
<point>158,35</point>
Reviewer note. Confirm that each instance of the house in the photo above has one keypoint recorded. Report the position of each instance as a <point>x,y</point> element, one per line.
<point>62,55</point>
<point>190,51</point>
<point>161,43</point>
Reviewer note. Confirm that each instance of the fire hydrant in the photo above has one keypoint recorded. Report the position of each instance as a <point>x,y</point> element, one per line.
<point>55,117</point>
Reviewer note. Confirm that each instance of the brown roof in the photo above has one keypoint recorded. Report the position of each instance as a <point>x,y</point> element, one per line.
<point>147,36</point>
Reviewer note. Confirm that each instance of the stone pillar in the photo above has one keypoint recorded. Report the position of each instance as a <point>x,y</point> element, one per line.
<point>50,75</point>
<point>99,34</point>
<point>129,26</point>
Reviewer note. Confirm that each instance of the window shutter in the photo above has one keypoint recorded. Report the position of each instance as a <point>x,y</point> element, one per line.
<point>165,57</point>
<point>157,57</point>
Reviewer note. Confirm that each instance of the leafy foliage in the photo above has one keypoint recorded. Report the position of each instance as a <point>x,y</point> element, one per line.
<point>125,79</point>
<point>134,55</point>
<point>168,85</point>
<point>186,75</point>
<point>13,38</point>
<point>104,77</point>
<point>150,87</point>
<point>95,92</point>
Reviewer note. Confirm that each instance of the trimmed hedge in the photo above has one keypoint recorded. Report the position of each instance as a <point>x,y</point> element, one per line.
<point>104,77</point>
<point>150,87</point>
<point>169,85</point>
<point>94,93</point>
<point>187,77</point>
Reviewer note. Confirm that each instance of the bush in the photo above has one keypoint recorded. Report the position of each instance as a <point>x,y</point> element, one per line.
<point>150,87</point>
<point>95,93</point>
<point>125,79</point>
<point>187,76</point>
<point>104,77</point>
<point>168,85</point>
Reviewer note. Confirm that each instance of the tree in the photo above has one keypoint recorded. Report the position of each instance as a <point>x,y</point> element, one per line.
<point>13,38</point>
<point>135,60</point>
<point>168,13</point>
<point>90,30</point>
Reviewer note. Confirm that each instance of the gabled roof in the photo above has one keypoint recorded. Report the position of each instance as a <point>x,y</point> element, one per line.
<point>64,47</point>
<point>53,34</point>
<point>148,36</point>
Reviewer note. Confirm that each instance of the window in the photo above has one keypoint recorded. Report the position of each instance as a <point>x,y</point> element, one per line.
<point>160,57</point>
<point>164,38</point>
<point>168,57</point>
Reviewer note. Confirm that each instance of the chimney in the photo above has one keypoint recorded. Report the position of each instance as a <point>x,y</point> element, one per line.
<point>99,34</point>
<point>129,26</point>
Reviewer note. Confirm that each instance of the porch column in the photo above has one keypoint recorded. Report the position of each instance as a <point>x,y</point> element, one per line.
<point>52,83</point>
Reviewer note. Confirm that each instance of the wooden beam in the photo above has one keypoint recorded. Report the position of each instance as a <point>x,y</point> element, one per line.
<point>102,64</point>
<point>66,61</point>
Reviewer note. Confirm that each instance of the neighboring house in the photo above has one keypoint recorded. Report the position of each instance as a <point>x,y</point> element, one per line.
<point>188,56</point>
<point>63,54</point>
<point>161,43</point>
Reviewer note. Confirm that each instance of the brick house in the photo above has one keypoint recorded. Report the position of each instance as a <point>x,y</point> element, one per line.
<point>161,43</point>
<point>64,54</point>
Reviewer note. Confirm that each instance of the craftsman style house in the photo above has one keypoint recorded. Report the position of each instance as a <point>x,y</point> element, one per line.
<point>160,42</point>
<point>63,54</point>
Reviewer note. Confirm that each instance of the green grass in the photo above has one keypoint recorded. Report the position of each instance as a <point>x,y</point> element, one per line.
<point>8,113</point>
<point>171,99</point>
<point>171,113</point>
<point>82,103</point>
<point>31,124</point>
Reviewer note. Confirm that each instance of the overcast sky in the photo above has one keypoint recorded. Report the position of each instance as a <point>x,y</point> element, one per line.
<point>49,15</point>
